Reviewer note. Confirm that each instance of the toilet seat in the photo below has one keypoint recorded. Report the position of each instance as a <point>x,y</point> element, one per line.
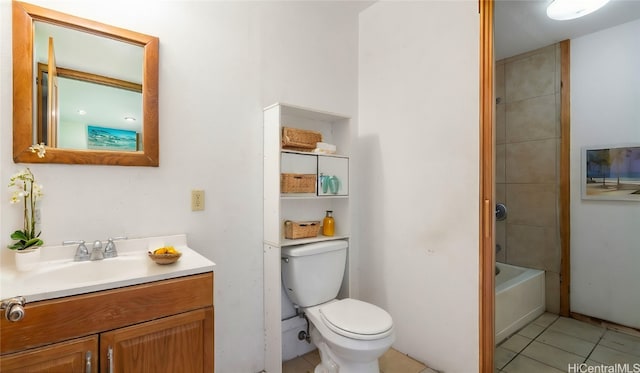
<point>356,319</point>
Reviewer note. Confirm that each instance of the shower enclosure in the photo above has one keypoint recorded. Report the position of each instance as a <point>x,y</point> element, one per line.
<point>527,173</point>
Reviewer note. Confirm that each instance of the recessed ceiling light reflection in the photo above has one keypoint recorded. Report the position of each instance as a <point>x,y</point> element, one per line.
<point>563,10</point>
<point>82,112</point>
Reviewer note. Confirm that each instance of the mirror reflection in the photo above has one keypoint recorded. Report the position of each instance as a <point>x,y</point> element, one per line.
<point>89,90</point>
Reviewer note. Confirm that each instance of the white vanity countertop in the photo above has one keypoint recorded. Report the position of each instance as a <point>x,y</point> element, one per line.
<point>59,276</point>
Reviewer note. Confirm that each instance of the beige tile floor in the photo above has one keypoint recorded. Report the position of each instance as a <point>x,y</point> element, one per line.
<point>392,361</point>
<point>556,344</point>
<point>548,344</point>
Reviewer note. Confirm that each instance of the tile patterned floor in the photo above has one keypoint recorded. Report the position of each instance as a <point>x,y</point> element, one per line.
<point>392,361</point>
<point>548,344</point>
<point>554,344</point>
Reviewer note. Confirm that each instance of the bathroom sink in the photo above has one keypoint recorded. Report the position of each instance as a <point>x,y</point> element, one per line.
<point>57,275</point>
<point>89,271</point>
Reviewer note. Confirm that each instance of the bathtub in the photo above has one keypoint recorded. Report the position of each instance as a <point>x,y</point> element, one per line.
<point>520,298</point>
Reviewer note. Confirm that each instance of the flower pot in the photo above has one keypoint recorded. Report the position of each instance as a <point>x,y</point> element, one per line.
<point>28,259</point>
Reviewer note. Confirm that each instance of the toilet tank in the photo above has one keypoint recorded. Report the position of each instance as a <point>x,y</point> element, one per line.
<point>312,273</point>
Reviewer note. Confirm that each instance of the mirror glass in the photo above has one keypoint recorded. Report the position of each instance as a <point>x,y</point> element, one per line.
<point>98,88</point>
<point>87,90</point>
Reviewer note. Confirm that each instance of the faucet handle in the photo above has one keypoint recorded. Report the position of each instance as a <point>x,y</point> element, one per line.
<point>110,249</point>
<point>82,253</point>
<point>73,242</point>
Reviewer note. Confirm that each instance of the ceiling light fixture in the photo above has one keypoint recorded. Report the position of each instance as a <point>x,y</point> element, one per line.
<point>82,112</point>
<point>562,10</point>
<point>130,119</point>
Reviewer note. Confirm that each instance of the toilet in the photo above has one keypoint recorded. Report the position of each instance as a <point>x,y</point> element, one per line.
<point>350,334</point>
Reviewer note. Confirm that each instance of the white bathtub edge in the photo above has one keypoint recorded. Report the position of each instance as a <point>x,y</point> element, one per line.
<point>518,301</point>
<point>524,320</point>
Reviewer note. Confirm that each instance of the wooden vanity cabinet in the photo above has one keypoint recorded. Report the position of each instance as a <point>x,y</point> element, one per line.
<point>164,326</point>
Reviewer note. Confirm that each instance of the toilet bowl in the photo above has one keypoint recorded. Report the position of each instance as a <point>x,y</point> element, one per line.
<point>350,334</point>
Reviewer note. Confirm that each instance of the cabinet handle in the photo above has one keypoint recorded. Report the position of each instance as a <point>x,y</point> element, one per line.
<point>110,360</point>
<point>87,359</point>
<point>14,308</point>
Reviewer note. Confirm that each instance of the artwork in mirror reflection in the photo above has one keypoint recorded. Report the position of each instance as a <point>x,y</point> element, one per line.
<point>611,173</point>
<point>101,138</point>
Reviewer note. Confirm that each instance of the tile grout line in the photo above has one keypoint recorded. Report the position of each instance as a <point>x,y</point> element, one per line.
<point>536,340</point>
<point>527,345</point>
<point>596,345</point>
<point>630,353</point>
<point>548,327</point>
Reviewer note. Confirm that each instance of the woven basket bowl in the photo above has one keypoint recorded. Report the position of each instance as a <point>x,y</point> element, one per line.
<point>165,258</point>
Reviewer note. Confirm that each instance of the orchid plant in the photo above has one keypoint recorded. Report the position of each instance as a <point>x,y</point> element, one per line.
<point>25,189</point>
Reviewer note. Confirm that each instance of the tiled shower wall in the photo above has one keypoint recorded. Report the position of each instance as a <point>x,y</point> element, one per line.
<point>527,163</point>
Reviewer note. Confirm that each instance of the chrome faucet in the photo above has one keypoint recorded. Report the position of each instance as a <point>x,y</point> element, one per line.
<point>96,252</point>
<point>82,253</point>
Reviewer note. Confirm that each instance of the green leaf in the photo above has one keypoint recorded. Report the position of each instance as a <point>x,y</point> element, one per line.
<point>33,242</point>
<point>15,246</point>
<point>19,235</point>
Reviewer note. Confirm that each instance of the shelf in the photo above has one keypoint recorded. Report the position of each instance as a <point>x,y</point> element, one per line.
<point>303,196</point>
<point>314,154</point>
<point>299,111</point>
<point>331,171</point>
<point>285,242</point>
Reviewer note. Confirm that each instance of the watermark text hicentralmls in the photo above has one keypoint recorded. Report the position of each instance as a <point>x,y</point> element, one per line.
<point>604,368</point>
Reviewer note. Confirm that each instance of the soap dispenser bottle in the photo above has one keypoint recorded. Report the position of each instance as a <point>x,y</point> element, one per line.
<point>328,224</point>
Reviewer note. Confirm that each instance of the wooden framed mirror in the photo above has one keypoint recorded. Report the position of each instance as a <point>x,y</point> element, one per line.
<point>31,107</point>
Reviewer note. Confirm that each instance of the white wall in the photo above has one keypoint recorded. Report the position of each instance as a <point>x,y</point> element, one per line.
<point>605,239</point>
<point>419,151</point>
<point>220,64</point>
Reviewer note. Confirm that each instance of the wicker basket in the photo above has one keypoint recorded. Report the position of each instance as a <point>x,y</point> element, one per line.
<point>297,139</point>
<point>165,258</point>
<point>301,229</point>
<point>297,183</point>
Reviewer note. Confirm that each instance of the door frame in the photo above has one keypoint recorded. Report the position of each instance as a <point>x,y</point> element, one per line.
<point>487,185</point>
<point>564,220</point>
<point>487,189</point>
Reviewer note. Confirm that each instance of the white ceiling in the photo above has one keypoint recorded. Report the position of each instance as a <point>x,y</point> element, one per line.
<point>522,25</point>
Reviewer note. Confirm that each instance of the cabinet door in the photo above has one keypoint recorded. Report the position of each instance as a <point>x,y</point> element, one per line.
<point>75,356</point>
<point>180,343</point>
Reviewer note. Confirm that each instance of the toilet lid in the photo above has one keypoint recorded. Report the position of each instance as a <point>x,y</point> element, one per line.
<point>357,319</point>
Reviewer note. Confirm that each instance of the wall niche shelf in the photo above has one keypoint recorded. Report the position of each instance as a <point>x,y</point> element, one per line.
<point>279,207</point>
